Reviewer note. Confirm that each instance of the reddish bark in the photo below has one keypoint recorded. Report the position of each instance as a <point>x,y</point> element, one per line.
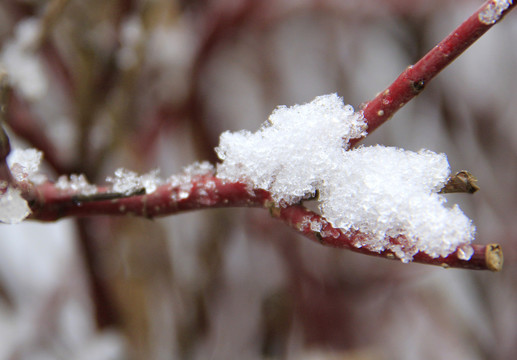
<point>413,80</point>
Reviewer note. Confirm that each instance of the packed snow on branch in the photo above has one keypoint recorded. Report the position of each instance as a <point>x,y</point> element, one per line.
<point>128,182</point>
<point>387,193</point>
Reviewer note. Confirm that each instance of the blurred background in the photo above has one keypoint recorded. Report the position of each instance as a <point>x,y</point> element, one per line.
<point>146,84</point>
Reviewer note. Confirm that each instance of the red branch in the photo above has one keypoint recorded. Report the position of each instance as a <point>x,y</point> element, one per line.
<point>316,228</point>
<point>49,203</point>
<point>413,80</point>
<point>207,192</point>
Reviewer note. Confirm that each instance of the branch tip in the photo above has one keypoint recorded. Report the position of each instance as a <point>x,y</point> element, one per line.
<point>494,257</point>
<point>461,182</point>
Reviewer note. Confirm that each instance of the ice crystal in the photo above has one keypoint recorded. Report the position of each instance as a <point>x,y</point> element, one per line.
<point>128,182</point>
<point>183,181</point>
<point>388,194</point>
<point>76,183</point>
<point>13,207</point>
<point>24,165</point>
<point>493,11</point>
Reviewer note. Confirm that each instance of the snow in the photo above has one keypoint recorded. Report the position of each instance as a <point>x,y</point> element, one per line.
<point>128,182</point>
<point>493,11</point>
<point>184,181</point>
<point>76,183</point>
<point>24,165</point>
<point>24,67</point>
<point>13,208</point>
<point>316,133</point>
<point>388,194</point>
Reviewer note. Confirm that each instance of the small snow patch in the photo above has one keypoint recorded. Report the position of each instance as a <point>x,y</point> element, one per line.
<point>13,207</point>
<point>76,183</point>
<point>24,165</point>
<point>493,11</point>
<point>128,182</point>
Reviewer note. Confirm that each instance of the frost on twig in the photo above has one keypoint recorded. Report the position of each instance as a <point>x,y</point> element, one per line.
<point>76,183</point>
<point>24,166</point>
<point>493,11</point>
<point>385,193</point>
<point>128,182</point>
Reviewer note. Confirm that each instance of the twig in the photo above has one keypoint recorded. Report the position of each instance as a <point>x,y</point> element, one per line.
<point>413,80</point>
<point>49,203</point>
<point>316,228</point>
<point>5,147</point>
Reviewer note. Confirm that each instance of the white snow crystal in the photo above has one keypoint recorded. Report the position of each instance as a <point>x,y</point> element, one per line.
<point>128,182</point>
<point>493,11</point>
<point>293,151</point>
<point>389,194</point>
<point>13,207</point>
<point>76,183</point>
<point>24,165</point>
<point>184,180</point>
<point>23,66</point>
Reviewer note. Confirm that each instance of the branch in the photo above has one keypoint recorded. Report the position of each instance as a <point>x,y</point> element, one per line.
<point>413,80</point>
<point>5,146</point>
<point>316,228</point>
<point>49,203</point>
<point>207,191</point>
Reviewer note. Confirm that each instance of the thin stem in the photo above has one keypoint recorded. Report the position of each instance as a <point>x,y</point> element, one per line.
<point>5,146</point>
<point>316,228</point>
<point>49,203</point>
<point>207,191</point>
<point>413,80</point>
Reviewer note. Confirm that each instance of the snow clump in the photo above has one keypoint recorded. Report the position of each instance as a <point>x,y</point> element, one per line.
<point>387,193</point>
<point>128,182</point>
<point>24,165</point>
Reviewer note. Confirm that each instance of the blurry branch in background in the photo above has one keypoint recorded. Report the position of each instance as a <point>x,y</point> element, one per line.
<point>5,147</point>
<point>49,203</point>
<point>52,13</point>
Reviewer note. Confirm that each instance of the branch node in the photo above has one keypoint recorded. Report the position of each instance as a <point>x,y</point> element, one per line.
<point>417,86</point>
